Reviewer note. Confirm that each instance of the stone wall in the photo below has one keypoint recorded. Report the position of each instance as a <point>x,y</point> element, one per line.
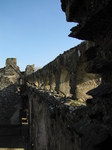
<point>70,99</point>
<point>9,74</point>
<point>94,20</point>
<point>57,100</point>
<point>50,128</point>
<point>66,75</point>
<point>58,121</point>
<point>29,69</point>
<point>61,123</point>
<point>9,92</point>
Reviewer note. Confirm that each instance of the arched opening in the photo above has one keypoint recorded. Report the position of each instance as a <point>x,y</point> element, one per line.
<point>85,82</point>
<point>38,81</point>
<point>52,82</point>
<point>35,81</point>
<point>42,85</point>
<point>47,86</point>
<point>64,86</point>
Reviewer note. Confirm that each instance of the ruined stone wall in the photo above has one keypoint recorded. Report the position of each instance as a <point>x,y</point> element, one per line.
<point>58,120</point>
<point>9,93</point>
<point>57,99</point>
<point>66,75</point>
<point>13,97</point>
<point>94,20</point>
<point>29,69</point>
<point>10,73</point>
<point>70,99</point>
<point>61,123</point>
<point>50,128</point>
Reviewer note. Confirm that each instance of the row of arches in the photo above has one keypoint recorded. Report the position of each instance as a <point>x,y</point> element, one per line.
<point>75,84</point>
<point>54,82</point>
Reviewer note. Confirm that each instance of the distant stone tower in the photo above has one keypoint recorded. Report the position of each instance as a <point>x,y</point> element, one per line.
<point>11,67</point>
<point>29,69</point>
<point>12,62</point>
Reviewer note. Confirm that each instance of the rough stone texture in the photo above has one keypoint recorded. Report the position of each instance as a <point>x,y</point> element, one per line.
<point>13,108</point>
<point>95,24</point>
<point>9,100</point>
<point>61,123</point>
<point>10,95</point>
<point>57,102</point>
<point>9,92</point>
<point>11,67</point>
<point>29,69</point>
<point>61,114</point>
<point>66,75</point>
<point>58,121</point>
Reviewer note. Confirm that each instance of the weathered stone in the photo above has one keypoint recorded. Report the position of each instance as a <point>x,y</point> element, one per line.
<point>70,109</point>
<point>92,18</point>
<point>11,67</point>
<point>66,74</point>
<point>29,69</point>
<point>10,93</point>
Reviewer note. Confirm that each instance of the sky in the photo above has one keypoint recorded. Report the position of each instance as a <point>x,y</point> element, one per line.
<point>33,31</point>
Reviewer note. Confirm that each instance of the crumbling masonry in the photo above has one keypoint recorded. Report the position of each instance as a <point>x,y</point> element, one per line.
<point>67,105</point>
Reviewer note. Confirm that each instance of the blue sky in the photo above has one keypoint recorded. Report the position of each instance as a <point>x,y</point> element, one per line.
<point>33,31</point>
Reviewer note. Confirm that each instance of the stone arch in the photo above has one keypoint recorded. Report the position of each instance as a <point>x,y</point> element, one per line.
<point>35,80</point>
<point>52,82</point>
<point>39,83</point>
<point>47,86</point>
<point>42,86</point>
<point>85,82</point>
<point>64,86</point>
<point>36,84</point>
